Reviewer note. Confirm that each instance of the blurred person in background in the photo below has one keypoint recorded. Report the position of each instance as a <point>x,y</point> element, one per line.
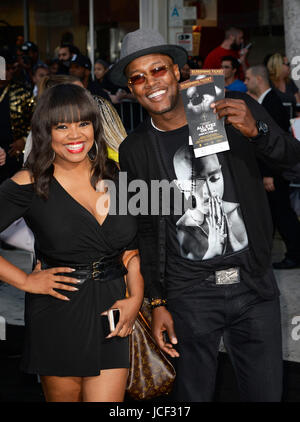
<point>196,62</point>
<point>66,53</point>
<point>81,67</point>
<point>116,94</point>
<point>53,66</point>
<point>230,65</point>
<point>31,50</point>
<point>16,107</point>
<point>38,73</point>
<point>185,72</point>
<point>284,217</point>
<point>279,73</point>
<point>232,45</point>
<point>100,69</point>
<point>19,40</point>
<point>23,69</point>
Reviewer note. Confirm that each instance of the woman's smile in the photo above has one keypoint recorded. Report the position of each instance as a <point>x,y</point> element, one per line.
<point>75,147</point>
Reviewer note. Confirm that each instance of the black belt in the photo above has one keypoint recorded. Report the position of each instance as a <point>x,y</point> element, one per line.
<point>103,269</point>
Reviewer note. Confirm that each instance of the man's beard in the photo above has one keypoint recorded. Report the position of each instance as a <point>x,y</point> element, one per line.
<point>65,63</point>
<point>173,104</point>
<point>236,47</point>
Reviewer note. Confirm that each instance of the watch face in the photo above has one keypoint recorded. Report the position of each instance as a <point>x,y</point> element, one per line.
<point>262,127</point>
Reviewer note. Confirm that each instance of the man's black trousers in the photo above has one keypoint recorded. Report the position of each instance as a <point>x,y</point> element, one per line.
<point>251,330</point>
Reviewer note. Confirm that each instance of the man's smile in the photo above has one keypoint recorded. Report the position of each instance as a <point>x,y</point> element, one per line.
<point>156,95</point>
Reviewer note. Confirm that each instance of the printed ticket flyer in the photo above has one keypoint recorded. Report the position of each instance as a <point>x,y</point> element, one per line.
<point>218,78</point>
<point>206,131</point>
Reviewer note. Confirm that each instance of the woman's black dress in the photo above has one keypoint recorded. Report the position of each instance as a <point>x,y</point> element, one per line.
<point>64,338</point>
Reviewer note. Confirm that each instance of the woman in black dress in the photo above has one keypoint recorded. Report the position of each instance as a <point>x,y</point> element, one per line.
<point>79,246</point>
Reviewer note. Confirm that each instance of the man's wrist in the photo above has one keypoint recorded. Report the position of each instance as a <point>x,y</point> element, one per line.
<point>262,129</point>
<point>155,303</point>
<point>254,134</point>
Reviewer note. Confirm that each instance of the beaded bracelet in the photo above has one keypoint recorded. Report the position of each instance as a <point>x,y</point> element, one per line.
<point>155,303</point>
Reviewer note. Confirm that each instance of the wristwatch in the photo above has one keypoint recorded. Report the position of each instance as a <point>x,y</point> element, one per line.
<point>263,130</point>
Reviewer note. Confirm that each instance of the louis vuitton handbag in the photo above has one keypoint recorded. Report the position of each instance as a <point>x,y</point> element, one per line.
<point>151,374</point>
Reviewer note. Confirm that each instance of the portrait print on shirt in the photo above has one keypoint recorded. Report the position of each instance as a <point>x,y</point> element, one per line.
<point>212,226</point>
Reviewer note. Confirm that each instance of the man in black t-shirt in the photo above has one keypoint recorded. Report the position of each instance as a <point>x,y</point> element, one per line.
<point>198,298</point>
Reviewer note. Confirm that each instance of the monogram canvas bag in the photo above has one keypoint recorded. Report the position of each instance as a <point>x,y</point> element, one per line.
<point>151,374</point>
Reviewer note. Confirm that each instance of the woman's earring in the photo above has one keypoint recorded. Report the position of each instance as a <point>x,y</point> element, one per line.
<point>54,155</point>
<point>97,151</point>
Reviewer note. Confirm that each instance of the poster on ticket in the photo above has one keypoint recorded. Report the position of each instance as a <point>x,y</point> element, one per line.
<point>217,75</point>
<point>206,131</point>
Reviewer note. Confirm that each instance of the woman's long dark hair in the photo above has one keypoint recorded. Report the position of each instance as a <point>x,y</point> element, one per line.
<point>65,103</point>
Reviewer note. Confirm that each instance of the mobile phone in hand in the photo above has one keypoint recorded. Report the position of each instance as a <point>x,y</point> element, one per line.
<point>110,320</point>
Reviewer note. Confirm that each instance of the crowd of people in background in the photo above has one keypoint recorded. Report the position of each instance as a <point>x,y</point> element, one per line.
<point>231,55</point>
<point>25,72</point>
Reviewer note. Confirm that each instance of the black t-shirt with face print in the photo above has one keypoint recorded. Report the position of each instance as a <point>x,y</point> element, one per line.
<point>205,226</point>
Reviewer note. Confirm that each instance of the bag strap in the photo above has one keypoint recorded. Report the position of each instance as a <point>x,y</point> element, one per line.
<point>126,261</point>
<point>129,255</point>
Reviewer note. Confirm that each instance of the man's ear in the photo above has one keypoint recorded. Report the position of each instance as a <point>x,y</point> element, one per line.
<point>259,79</point>
<point>176,71</point>
<point>130,88</point>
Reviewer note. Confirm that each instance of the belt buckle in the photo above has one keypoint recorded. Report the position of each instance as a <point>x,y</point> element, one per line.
<point>228,276</point>
<point>95,272</point>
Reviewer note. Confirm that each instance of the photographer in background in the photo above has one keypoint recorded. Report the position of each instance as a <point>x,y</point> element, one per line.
<point>16,106</point>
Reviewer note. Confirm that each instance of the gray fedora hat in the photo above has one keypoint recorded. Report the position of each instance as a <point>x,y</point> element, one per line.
<point>140,43</point>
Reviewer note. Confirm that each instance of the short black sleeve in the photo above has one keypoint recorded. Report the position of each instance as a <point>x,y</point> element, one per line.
<point>15,200</point>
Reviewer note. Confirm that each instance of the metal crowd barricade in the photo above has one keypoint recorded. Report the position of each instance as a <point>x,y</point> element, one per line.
<point>290,109</point>
<point>131,114</point>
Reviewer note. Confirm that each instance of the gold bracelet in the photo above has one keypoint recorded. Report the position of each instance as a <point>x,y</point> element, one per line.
<point>155,303</point>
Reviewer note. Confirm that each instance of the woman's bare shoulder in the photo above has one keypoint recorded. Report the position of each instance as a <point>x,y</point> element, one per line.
<point>23,177</point>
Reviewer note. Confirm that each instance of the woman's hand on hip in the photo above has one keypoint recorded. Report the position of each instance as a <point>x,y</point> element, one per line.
<point>45,281</point>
